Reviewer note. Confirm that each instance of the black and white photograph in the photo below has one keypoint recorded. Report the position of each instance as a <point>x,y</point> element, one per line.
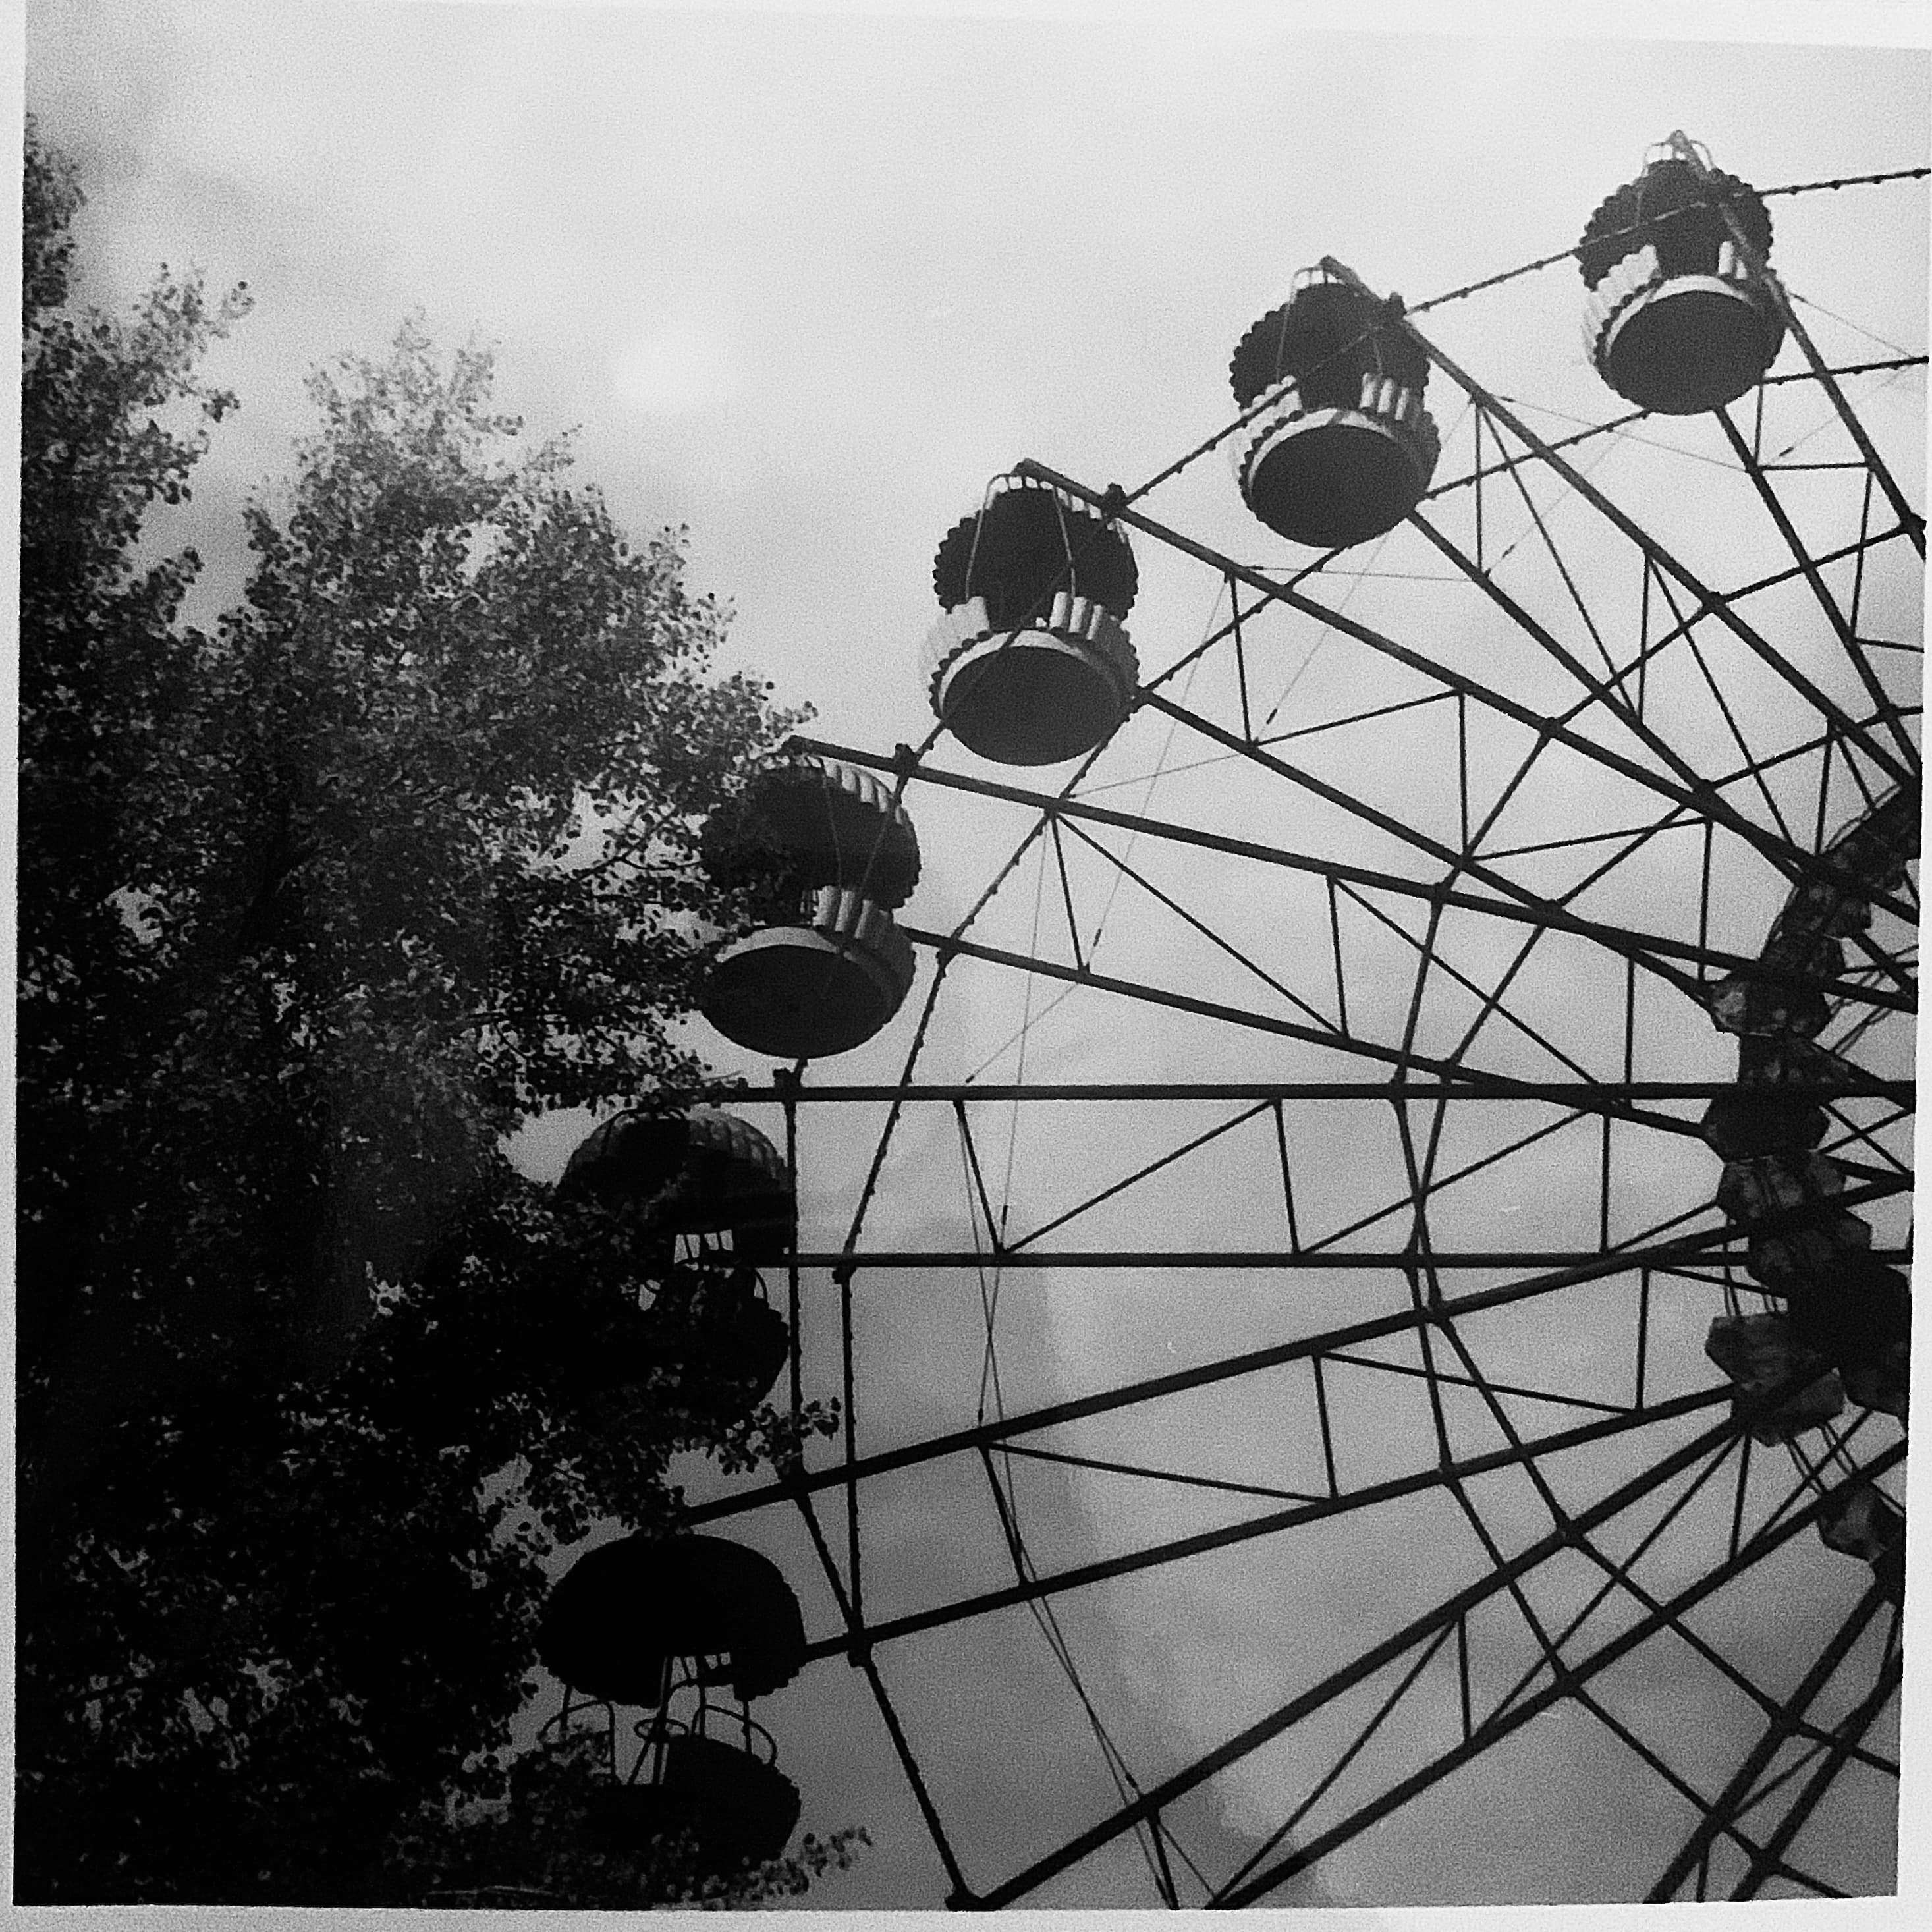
<point>966,958</point>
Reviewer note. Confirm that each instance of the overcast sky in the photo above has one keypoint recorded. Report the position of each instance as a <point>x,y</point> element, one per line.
<point>803,281</point>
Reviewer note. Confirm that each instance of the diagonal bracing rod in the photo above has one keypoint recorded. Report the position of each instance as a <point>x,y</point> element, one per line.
<point>1274,1522</point>
<point>1798,865</point>
<point>1790,1718</point>
<point>1534,912</point>
<point>1548,913</point>
<point>1492,1733</point>
<point>1684,1251</point>
<point>948,947</point>
<point>1850,1733</point>
<point>1914,522</point>
<point>1882,705</point>
<point>1246,1742</point>
<point>1708,599</point>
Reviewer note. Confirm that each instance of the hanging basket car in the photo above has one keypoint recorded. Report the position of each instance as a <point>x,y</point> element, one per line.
<point>737,1807</point>
<point>1759,1354</point>
<point>825,850</point>
<point>1760,1128</point>
<point>626,1611</point>
<point>824,983</point>
<point>803,820</point>
<point>1859,1317</point>
<point>1029,664</point>
<point>1345,450</point>
<point>703,1172</point>
<point>1769,1184</point>
<point>1860,1519</point>
<point>711,1334</point>
<point>1678,318</point>
<point>1788,1261</point>
<point>1749,1122</point>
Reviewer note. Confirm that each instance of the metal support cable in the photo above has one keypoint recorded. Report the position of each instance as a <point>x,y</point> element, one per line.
<point>862,1655</point>
<point>1840,622</point>
<point>1497,280</point>
<point>1850,1734</point>
<point>1786,1722</point>
<point>1538,914</point>
<point>1494,1732</point>
<point>1799,865</point>
<point>1719,607</point>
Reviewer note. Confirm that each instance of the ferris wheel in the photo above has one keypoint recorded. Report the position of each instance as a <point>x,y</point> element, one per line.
<point>1371,1323</point>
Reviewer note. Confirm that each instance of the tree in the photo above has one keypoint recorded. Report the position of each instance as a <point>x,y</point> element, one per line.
<point>314,909</point>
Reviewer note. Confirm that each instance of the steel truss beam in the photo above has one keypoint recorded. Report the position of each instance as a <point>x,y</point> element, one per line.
<point>948,946</point>
<point>1287,1260</point>
<point>1786,1723</point>
<point>1914,522</point>
<point>1537,912</point>
<point>1345,1502</point>
<point>1659,1256</point>
<point>1703,802</point>
<point>1505,463</point>
<point>1544,913</point>
<point>1748,459</point>
<point>1390,1649</point>
<point>1708,599</point>
<point>1769,1863</point>
<point>1602,691</point>
<point>1576,1094</point>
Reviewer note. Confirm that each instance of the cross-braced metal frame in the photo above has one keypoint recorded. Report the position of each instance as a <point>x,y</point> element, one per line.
<point>1331,1310</point>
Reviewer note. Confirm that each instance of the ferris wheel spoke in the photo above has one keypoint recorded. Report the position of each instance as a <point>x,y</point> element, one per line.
<point>1505,461</point>
<point>1535,907</point>
<point>948,945</point>
<point>1913,522</point>
<point>1719,607</point>
<point>1497,1729</point>
<point>1390,1650</point>
<point>1646,656</point>
<point>1448,1068</point>
<point>1796,861</point>
<point>1573,1265</point>
<point>1752,767</point>
<point>1769,1863</point>
<point>1620,1575</point>
<point>1789,1720</point>
<point>1605,691</point>
<point>1428,959</point>
<point>1583,1699</point>
<point>1678,1254</point>
<point>1523,909</point>
<point>1602,691</point>
<point>1436,1475</point>
<point>1840,621</point>
<point>861,1656</point>
<point>1426,1336</point>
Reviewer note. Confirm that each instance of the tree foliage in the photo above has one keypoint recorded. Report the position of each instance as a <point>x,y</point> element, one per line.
<point>315,907</point>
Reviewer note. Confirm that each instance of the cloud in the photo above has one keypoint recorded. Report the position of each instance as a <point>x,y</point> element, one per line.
<point>681,368</point>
